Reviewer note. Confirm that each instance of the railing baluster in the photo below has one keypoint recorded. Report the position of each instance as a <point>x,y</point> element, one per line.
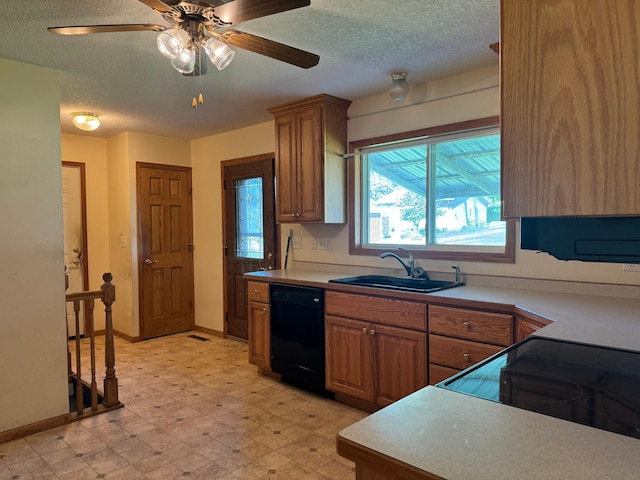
<point>79,392</point>
<point>94,386</point>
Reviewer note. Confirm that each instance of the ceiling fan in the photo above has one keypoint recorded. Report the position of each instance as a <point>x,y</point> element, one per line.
<point>204,25</point>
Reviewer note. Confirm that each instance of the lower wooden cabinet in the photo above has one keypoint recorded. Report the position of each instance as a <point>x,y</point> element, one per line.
<point>461,337</point>
<point>259,324</point>
<point>372,361</point>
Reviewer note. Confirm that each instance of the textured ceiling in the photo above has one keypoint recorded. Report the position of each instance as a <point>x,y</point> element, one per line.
<point>124,78</point>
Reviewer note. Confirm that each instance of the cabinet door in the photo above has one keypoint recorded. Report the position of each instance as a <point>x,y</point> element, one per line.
<point>401,362</point>
<point>259,335</point>
<point>348,357</point>
<point>570,102</point>
<point>310,164</point>
<point>285,169</point>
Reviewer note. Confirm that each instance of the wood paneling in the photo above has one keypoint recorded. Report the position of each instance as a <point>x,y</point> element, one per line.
<point>570,97</point>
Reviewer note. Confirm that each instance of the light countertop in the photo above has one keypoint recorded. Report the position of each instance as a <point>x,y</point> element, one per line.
<point>459,437</point>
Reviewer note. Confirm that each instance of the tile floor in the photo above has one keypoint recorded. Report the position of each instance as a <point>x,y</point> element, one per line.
<point>193,409</point>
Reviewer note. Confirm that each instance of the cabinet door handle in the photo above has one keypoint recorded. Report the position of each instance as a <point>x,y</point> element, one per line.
<point>466,356</point>
<point>372,331</point>
<point>364,329</point>
<point>264,309</point>
<point>466,325</point>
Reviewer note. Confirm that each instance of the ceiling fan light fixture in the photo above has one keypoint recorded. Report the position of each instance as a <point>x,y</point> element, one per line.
<point>399,88</point>
<point>218,52</point>
<point>185,62</point>
<point>85,121</point>
<point>172,42</point>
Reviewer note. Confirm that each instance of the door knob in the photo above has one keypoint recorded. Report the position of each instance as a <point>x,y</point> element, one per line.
<point>148,261</point>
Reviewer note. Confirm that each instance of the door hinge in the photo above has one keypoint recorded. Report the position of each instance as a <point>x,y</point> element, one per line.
<point>224,184</point>
<point>226,249</point>
<point>226,317</point>
<point>190,190</point>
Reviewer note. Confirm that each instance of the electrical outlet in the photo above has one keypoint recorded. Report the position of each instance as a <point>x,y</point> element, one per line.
<point>631,267</point>
<point>296,242</point>
<point>324,244</point>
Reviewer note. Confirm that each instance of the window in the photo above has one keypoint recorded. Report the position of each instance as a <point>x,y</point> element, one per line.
<point>435,192</point>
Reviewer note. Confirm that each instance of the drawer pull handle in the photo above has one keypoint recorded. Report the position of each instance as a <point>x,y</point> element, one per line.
<point>372,331</point>
<point>364,330</point>
<point>466,356</point>
<point>465,324</point>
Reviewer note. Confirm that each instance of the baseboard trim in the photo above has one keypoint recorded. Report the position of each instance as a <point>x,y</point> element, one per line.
<point>209,331</point>
<point>36,427</point>
<point>126,337</point>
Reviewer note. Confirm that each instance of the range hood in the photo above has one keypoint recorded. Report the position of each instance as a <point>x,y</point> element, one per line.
<point>589,239</point>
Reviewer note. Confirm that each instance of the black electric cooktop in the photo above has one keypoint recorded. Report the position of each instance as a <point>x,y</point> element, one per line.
<point>587,384</point>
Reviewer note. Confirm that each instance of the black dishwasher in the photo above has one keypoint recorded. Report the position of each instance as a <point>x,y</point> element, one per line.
<point>297,336</point>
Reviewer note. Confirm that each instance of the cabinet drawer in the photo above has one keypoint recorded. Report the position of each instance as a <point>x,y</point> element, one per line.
<point>438,373</point>
<point>399,313</point>
<point>258,291</point>
<point>456,353</point>
<point>496,328</point>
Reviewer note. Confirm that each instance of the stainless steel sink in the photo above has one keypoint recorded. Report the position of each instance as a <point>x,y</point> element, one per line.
<point>422,285</point>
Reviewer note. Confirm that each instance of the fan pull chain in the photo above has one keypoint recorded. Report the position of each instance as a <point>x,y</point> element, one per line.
<point>200,99</point>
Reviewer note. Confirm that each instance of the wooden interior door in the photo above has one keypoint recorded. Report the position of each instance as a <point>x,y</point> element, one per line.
<point>165,249</point>
<point>250,236</point>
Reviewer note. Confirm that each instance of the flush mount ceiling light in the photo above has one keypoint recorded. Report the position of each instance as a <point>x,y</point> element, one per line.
<point>399,88</point>
<point>85,121</point>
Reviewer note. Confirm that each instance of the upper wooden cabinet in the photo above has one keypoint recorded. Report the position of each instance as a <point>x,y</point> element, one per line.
<point>570,100</point>
<point>311,139</point>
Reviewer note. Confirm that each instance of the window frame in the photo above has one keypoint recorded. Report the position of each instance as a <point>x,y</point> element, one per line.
<point>448,252</point>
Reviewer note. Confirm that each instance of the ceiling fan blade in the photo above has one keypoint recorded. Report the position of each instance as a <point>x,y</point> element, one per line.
<point>242,10</point>
<point>127,27</point>
<point>157,5</point>
<point>269,48</point>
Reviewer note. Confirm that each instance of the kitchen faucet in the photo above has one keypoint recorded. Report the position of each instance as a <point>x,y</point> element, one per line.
<point>410,266</point>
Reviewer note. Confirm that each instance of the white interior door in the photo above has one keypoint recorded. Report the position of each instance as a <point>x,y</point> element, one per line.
<point>73,254</point>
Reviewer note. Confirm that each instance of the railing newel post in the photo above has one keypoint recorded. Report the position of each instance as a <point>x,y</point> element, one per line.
<point>110,381</point>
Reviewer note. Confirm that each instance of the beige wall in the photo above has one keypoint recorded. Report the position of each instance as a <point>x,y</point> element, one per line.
<point>33,366</point>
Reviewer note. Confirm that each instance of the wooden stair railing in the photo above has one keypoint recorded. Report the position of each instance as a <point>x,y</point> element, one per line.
<point>85,301</point>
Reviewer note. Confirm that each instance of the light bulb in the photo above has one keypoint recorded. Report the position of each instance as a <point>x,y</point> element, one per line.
<point>172,42</point>
<point>85,121</point>
<point>218,52</point>
<point>185,62</point>
<point>399,87</point>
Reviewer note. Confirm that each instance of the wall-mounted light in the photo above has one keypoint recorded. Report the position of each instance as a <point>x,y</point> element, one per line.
<point>399,88</point>
<point>85,121</point>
